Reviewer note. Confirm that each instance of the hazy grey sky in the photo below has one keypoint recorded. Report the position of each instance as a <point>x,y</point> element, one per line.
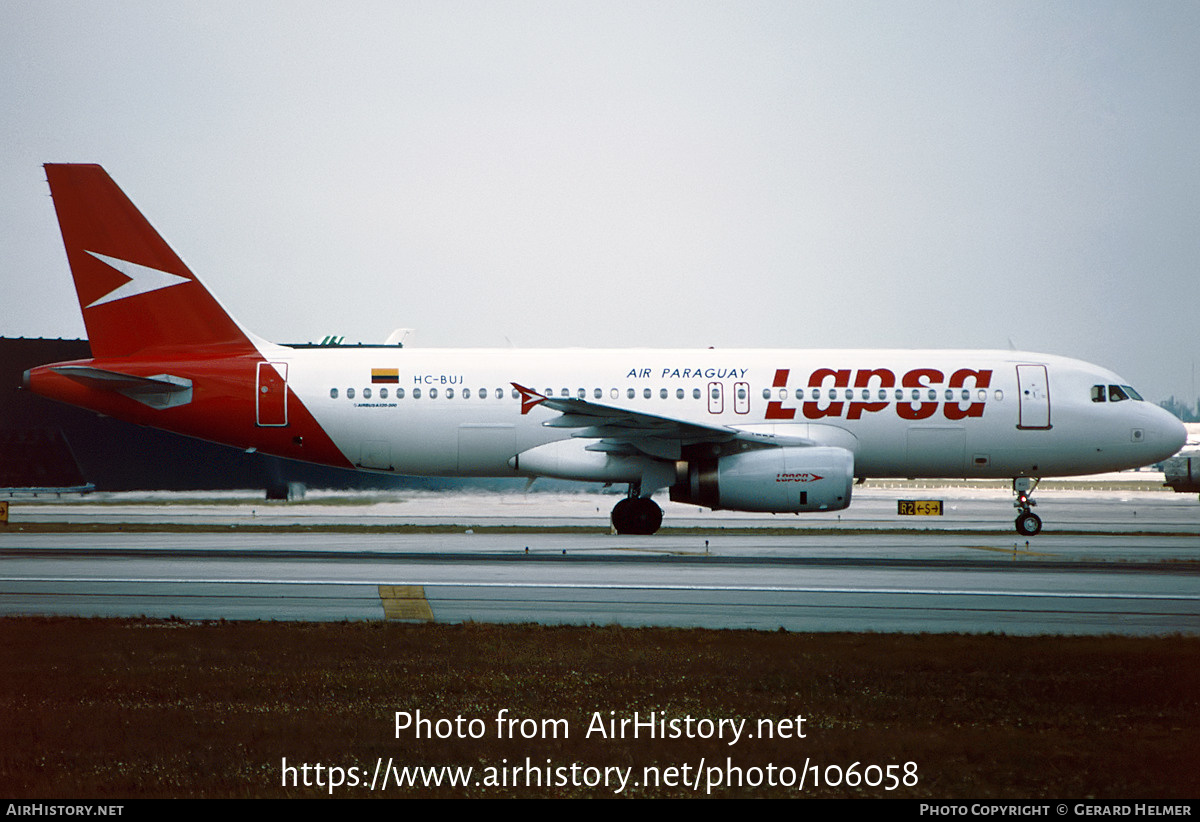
<point>791,174</point>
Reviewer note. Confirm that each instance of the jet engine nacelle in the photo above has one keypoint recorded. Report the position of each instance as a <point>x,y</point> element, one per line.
<point>774,480</point>
<point>570,459</point>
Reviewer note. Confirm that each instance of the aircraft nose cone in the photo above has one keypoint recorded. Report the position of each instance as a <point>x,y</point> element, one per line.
<point>1177,436</point>
<point>1169,433</point>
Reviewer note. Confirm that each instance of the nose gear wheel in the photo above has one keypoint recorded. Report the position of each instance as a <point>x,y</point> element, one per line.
<point>1028,523</point>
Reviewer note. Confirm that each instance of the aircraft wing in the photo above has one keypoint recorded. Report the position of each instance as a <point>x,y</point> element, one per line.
<point>622,431</point>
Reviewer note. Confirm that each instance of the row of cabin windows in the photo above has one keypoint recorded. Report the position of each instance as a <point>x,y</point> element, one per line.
<point>882,394</point>
<point>416,393</point>
<point>899,394</point>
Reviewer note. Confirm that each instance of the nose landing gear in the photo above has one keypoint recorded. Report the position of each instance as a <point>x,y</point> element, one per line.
<point>1029,524</point>
<point>636,514</point>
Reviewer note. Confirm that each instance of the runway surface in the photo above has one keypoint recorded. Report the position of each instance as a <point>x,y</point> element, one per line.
<point>1120,559</point>
<point>859,582</point>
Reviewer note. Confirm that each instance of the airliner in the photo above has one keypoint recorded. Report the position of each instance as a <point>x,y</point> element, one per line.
<point>781,431</point>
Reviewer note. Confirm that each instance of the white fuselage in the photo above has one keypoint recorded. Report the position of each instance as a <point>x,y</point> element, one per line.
<point>973,413</point>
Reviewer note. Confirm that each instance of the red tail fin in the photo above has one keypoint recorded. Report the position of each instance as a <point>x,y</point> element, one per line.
<point>135,292</point>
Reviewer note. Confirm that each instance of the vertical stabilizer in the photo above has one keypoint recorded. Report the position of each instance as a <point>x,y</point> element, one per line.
<point>136,294</point>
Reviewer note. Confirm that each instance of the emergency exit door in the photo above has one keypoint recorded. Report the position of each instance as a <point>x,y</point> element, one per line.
<point>716,398</point>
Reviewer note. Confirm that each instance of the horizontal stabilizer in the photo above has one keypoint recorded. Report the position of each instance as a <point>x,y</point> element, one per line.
<point>159,391</point>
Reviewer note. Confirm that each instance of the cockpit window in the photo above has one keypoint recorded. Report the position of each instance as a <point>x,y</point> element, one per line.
<point>1114,393</point>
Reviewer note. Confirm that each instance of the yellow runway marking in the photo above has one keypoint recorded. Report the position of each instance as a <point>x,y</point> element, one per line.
<point>405,602</point>
<point>1013,550</point>
<point>671,552</point>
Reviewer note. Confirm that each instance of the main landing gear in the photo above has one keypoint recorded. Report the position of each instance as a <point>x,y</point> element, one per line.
<point>636,514</point>
<point>1029,524</point>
